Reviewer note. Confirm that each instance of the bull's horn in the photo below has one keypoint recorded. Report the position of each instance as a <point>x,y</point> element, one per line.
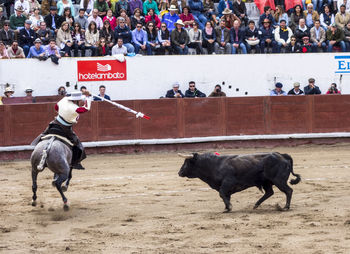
<point>187,156</point>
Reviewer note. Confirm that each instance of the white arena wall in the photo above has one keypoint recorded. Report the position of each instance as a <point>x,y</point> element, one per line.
<point>149,77</point>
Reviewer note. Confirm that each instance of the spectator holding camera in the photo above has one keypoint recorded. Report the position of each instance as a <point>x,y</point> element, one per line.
<point>333,89</point>
<point>217,92</point>
<point>175,92</point>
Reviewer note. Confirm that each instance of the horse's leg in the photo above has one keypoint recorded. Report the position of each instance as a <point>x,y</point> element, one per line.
<point>34,186</point>
<point>65,187</point>
<point>58,182</point>
<point>55,176</point>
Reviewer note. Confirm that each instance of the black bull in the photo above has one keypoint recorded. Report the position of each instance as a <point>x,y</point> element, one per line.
<point>234,173</point>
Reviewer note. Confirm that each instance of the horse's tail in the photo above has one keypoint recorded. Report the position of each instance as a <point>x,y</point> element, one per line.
<point>41,165</point>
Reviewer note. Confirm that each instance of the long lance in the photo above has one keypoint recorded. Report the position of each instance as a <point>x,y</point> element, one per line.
<point>138,114</point>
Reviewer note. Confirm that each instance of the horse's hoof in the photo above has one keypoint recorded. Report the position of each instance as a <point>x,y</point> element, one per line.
<point>65,207</point>
<point>64,188</point>
<point>33,203</point>
<point>256,206</point>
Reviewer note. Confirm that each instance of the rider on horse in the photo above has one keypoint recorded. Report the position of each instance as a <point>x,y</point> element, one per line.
<point>68,114</point>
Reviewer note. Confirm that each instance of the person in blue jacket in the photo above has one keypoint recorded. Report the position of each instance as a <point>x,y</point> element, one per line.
<point>223,4</point>
<point>197,10</point>
<point>170,18</point>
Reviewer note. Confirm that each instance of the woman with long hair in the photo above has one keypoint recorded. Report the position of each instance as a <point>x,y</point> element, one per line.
<point>295,16</point>
<point>107,33</point>
<point>67,16</point>
<point>36,19</point>
<point>152,17</point>
<point>280,15</point>
<point>209,37</point>
<point>137,18</point>
<point>152,36</point>
<point>62,4</point>
<point>64,39</point>
<point>102,48</point>
<point>187,17</point>
<point>164,40</point>
<point>196,38</point>
<point>92,36</point>
<point>326,17</point>
<point>78,40</point>
<point>112,20</point>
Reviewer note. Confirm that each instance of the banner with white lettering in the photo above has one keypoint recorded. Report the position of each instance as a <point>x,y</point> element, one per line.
<point>101,70</point>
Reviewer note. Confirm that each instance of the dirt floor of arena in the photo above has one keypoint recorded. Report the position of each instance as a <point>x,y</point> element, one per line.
<point>139,204</point>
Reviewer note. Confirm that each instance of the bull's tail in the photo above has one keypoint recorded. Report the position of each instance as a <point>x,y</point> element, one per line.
<point>41,165</point>
<point>298,177</point>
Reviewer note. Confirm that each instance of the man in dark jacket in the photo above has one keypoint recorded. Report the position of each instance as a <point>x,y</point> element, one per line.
<point>306,46</point>
<point>296,90</point>
<point>175,92</point>
<point>267,37</point>
<point>311,88</point>
<point>266,15</point>
<point>123,31</point>
<point>301,31</point>
<point>223,37</point>
<point>335,37</point>
<point>193,92</point>
<point>53,20</point>
<point>252,37</point>
<point>7,35</point>
<point>237,38</point>
<point>26,37</point>
<point>240,10</point>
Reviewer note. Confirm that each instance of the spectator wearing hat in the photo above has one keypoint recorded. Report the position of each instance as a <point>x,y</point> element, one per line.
<point>17,19</point>
<point>267,37</point>
<point>301,31</point>
<point>335,37</point>
<point>3,51</point>
<point>26,37</point>
<point>187,17</point>
<point>29,94</point>
<point>175,92</point>
<point>25,6</point>
<point>150,4</point>
<point>7,35</point>
<point>9,92</point>
<point>229,18</point>
<point>46,6</point>
<point>342,17</point>
<point>44,34</point>
<point>223,38</point>
<point>266,15</point>
<point>53,20</point>
<point>278,90</point>
<point>282,35</point>
<point>293,47</point>
<point>311,88</point>
<point>224,5</point>
<point>310,16</point>
<point>237,38</point>
<point>193,92</point>
<point>306,46</point>
<point>123,31</point>
<point>170,18</point>
<point>139,39</point>
<point>318,37</point>
<point>179,38</point>
<point>240,11</point>
<point>197,9</point>
<point>179,4</point>
<point>36,51</point>
<point>296,90</point>
<point>15,51</point>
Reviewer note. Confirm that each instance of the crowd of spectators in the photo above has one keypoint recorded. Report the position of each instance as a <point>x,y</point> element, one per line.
<point>52,28</point>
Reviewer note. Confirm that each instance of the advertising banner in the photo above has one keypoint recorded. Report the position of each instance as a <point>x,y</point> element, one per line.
<point>101,70</point>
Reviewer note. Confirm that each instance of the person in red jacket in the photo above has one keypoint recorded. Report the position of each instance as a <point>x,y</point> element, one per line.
<point>152,17</point>
<point>69,108</point>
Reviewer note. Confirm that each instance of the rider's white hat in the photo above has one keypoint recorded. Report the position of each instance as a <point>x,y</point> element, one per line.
<point>76,96</point>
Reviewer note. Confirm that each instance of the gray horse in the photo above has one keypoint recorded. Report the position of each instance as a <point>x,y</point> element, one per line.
<point>56,155</point>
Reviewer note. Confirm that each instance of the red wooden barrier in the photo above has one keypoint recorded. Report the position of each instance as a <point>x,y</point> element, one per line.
<point>178,118</point>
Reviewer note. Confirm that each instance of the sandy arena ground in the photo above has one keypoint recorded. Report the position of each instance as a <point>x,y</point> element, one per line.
<point>139,204</point>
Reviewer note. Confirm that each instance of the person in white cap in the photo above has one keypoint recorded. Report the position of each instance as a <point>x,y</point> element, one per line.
<point>170,18</point>
<point>175,92</point>
<point>68,114</point>
<point>9,92</point>
<point>180,38</point>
